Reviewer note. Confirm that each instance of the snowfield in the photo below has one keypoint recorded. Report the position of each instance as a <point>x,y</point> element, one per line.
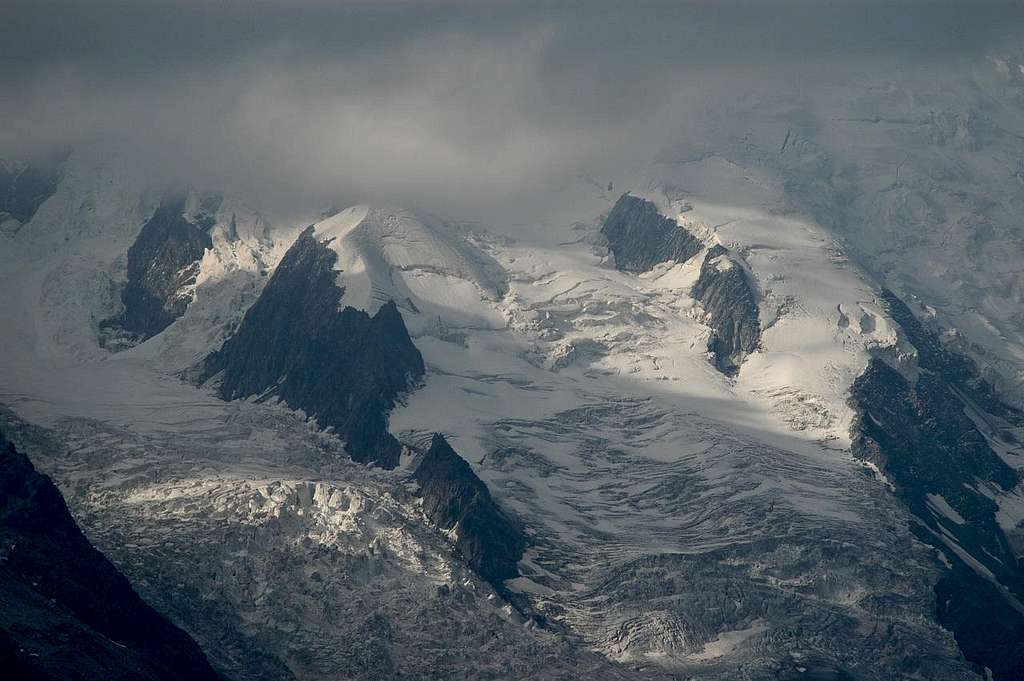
<point>422,264</point>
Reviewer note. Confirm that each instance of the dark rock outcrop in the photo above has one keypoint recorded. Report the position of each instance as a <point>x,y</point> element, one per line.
<point>988,629</point>
<point>24,187</point>
<point>65,610</point>
<point>640,237</point>
<point>162,267</point>
<point>456,500</point>
<point>920,434</point>
<point>343,367</point>
<point>957,369</point>
<point>728,297</point>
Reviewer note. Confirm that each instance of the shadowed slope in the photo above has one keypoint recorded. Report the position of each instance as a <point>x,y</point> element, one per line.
<point>65,610</point>
<point>343,367</point>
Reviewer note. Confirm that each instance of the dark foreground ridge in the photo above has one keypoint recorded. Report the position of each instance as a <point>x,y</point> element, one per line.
<point>922,436</point>
<point>456,500</point>
<point>65,610</point>
<point>162,267</point>
<point>640,237</point>
<point>729,300</point>
<point>343,367</point>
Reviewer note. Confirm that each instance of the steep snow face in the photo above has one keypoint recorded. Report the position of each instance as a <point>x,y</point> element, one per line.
<point>431,272</point>
<point>64,270</point>
<point>819,313</point>
<point>917,173</point>
<point>932,202</point>
<point>246,247</point>
<point>60,268</point>
<point>205,503</point>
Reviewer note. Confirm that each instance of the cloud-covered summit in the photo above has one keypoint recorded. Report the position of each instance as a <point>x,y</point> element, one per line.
<point>450,105</point>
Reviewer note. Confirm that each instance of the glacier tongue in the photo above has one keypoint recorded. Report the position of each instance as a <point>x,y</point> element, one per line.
<point>284,559</point>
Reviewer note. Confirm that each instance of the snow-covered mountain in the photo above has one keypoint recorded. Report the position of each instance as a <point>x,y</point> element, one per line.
<point>697,426</point>
<point>425,266</point>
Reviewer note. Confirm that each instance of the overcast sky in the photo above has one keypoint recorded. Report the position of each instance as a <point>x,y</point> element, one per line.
<point>441,104</point>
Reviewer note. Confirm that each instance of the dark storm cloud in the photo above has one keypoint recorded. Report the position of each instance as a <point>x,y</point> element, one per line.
<point>437,103</point>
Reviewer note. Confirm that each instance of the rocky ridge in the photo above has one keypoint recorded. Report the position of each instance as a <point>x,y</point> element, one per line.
<point>457,501</point>
<point>342,367</point>
<point>640,237</point>
<point>163,264</point>
<point>65,611</point>
<point>937,435</point>
<point>725,291</point>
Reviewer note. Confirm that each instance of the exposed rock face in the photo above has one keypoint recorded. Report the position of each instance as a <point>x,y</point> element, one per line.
<point>162,267</point>
<point>65,610</point>
<point>946,470</point>
<point>988,628</point>
<point>728,297</point>
<point>456,500</point>
<point>343,367</point>
<point>957,369</point>
<point>24,187</point>
<point>640,237</point>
